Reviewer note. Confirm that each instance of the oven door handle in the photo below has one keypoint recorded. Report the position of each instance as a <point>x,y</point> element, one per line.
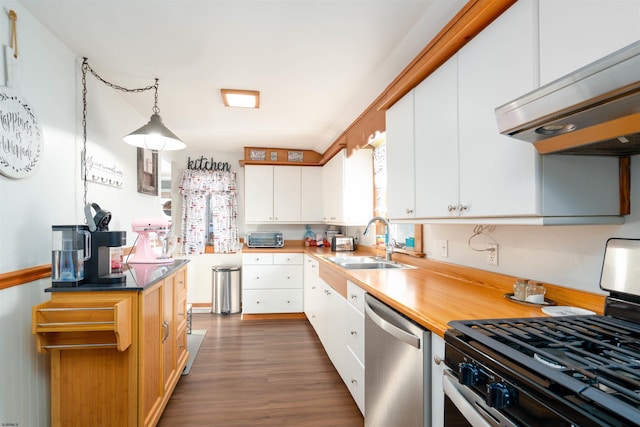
<point>467,409</point>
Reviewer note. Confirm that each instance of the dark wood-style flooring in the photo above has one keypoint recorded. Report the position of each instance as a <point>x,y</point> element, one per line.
<point>260,373</point>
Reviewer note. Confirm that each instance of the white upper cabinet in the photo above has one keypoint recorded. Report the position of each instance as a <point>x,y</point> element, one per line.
<point>498,176</point>
<point>463,168</point>
<point>258,194</point>
<point>287,193</point>
<point>283,194</point>
<point>348,188</point>
<point>400,154</point>
<point>311,200</point>
<point>436,143</point>
<point>574,34</point>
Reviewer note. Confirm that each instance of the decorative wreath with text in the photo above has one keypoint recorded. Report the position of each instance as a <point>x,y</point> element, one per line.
<point>20,136</point>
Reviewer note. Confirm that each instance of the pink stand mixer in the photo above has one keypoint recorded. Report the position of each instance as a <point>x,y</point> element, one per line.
<point>144,253</point>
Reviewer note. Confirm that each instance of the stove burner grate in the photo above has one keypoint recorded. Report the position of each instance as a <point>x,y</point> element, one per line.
<point>597,357</point>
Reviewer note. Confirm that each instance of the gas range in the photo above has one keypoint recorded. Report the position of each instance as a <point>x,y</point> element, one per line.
<point>564,371</point>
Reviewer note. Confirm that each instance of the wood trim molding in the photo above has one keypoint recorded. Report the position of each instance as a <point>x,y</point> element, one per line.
<point>475,16</point>
<point>273,316</point>
<point>624,166</point>
<point>609,130</point>
<point>31,274</point>
<point>281,157</point>
<point>20,277</point>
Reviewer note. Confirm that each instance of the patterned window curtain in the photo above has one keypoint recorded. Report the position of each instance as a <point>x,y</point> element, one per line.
<point>209,211</point>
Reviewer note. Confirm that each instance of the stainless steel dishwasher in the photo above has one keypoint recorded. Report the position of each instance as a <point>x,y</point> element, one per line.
<point>397,368</point>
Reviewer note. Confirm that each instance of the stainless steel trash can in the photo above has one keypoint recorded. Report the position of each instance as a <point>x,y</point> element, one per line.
<point>226,298</point>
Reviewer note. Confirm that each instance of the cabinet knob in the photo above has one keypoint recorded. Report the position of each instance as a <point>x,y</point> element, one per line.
<point>354,296</point>
<point>354,333</point>
<point>462,208</point>
<point>257,277</point>
<point>288,302</point>
<point>409,211</point>
<point>437,360</point>
<point>451,208</point>
<point>354,381</point>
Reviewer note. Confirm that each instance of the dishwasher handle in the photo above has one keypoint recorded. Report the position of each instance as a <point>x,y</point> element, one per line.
<point>397,332</point>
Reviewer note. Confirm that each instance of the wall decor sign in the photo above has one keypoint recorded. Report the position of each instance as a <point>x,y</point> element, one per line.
<point>258,155</point>
<point>209,164</point>
<point>147,171</point>
<point>20,136</point>
<point>295,156</point>
<point>105,174</point>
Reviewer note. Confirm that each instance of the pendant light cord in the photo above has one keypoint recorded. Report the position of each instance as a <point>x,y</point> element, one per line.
<point>87,68</point>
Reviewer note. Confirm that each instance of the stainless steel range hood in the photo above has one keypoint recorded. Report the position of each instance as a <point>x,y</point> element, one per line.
<point>594,110</point>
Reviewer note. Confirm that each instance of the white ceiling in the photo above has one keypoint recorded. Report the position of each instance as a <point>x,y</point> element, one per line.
<point>317,63</point>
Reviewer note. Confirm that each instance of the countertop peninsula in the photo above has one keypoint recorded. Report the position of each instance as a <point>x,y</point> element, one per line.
<point>138,278</point>
<point>436,292</point>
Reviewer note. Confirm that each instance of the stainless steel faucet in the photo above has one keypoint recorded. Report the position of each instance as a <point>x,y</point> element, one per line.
<point>389,246</point>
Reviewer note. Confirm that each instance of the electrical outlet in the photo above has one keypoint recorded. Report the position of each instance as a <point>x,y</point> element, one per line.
<point>492,253</point>
<point>444,248</point>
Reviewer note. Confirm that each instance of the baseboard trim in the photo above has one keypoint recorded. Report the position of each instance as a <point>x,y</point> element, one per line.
<point>273,316</point>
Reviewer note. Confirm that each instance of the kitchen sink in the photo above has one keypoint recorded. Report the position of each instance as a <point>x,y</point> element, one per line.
<point>366,263</point>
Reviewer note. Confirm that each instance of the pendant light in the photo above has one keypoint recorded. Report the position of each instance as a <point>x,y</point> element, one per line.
<point>154,135</point>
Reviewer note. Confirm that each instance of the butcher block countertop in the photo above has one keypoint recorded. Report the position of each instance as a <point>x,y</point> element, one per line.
<point>436,293</point>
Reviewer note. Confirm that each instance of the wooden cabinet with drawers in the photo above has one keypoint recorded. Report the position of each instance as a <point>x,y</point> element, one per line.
<point>116,355</point>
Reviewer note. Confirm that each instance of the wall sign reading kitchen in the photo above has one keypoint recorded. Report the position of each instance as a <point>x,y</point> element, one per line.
<point>209,164</point>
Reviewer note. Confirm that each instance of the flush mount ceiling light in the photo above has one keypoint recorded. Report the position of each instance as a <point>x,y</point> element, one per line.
<point>154,135</point>
<point>240,98</point>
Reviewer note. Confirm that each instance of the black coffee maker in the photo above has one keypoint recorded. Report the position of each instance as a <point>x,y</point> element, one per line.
<point>105,264</point>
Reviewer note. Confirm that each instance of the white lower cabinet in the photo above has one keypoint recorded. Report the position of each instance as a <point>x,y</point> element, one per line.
<point>332,324</point>
<point>354,376</point>
<point>437,369</point>
<point>339,323</point>
<point>311,289</point>
<point>272,283</point>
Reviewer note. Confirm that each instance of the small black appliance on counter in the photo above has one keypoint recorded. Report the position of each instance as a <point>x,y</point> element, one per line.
<point>105,263</point>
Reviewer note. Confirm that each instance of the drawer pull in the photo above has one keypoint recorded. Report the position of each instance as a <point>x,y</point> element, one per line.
<point>44,325</point>
<point>165,329</point>
<point>75,309</point>
<point>354,333</point>
<point>354,381</point>
<point>437,360</point>
<point>63,346</point>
